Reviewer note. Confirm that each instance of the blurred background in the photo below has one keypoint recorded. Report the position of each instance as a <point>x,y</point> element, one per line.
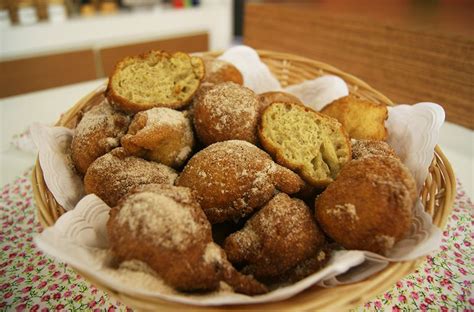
<point>410,50</point>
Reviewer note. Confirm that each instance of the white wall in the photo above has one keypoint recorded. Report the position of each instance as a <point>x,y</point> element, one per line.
<point>214,17</point>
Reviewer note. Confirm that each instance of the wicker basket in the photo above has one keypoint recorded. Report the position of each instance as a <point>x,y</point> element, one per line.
<point>437,196</point>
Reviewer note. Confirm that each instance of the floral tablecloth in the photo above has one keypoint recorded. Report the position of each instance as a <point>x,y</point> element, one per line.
<point>30,280</point>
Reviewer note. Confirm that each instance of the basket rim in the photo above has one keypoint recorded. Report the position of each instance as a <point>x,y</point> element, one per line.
<point>355,293</point>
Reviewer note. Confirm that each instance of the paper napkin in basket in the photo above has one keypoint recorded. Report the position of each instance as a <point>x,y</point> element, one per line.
<point>256,74</point>
<point>53,144</point>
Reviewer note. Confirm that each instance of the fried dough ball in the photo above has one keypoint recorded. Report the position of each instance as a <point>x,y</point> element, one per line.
<point>233,178</point>
<point>278,237</point>
<point>163,226</point>
<point>160,134</point>
<point>218,71</point>
<point>270,97</point>
<point>362,119</point>
<point>98,132</point>
<point>372,199</point>
<point>367,148</point>
<point>114,174</point>
<point>226,111</point>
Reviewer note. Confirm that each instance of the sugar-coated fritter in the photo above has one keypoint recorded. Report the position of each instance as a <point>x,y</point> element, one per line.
<point>277,238</point>
<point>233,178</point>
<point>218,71</point>
<point>226,111</point>
<point>98,132</point>
<point>116,173</point>
<point>160,134</point>
<point>163,226</point>
<point>369,206</point>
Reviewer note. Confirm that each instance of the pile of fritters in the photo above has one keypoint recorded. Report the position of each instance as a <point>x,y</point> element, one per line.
<point>196,197</point>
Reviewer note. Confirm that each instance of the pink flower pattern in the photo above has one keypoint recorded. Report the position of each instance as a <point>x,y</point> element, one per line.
<point>29,280</point>
<point>32,281</point>
<point>444,281</point>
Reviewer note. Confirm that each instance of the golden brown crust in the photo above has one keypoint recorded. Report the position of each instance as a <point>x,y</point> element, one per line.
<point>98,132</point>
<point>218,71</point>
<point>361,119</point>
<point>233,178</point>
<point>278,151</point>
<point>270,97</point>
<point>226,111</point>
<point>373,200</point>
<point>160,134</point>
<point>130,106</point>
<point>163,226</point>
<point>114,174</point>
<point>287,181</point>
<point>278,237</point>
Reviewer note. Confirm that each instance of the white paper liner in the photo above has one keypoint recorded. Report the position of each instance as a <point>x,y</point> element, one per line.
<point>79,236</point>
<point>418,126</point>
<point>53,144</point>
<point>319,92</point>
<point>256,74</point>
<point>86,223</point>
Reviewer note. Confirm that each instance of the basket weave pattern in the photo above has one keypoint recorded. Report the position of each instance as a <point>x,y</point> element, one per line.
<point>437,197</point>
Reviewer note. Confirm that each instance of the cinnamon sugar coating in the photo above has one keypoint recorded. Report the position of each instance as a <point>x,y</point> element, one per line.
<point>160,134</point>
<point>163,226</point>
<point>226,111</point>
<point>277,238</point>
<point>116,173</point>
<point>367,148</point>
<point>233,178</point>
<point>98,132</point>
<point>218,71</point>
